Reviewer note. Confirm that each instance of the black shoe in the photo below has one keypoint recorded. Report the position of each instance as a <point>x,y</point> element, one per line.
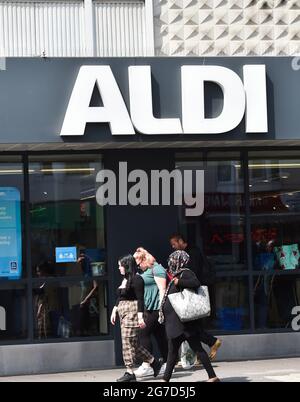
<point>156,365</point>
<point>127,377</point>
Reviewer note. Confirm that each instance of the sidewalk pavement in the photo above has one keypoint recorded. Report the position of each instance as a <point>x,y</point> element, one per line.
<point>280,370</point>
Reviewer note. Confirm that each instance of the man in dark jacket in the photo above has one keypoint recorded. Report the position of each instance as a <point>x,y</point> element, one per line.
<point>200,266</point>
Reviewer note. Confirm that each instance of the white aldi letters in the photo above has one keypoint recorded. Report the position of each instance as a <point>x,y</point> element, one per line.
<point>241,98</point>
<point>250,97</point>
<point>80,112</point>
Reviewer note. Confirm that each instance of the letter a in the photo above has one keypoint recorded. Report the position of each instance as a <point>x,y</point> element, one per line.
<point>80,112</point>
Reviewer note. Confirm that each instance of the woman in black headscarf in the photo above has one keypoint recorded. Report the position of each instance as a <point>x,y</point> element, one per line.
<point>177,331</point>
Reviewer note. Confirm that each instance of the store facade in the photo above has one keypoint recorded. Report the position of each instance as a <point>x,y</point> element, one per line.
<point>58,132</point>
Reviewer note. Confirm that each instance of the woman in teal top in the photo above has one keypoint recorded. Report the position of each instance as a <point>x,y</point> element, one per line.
<point>155,279</point>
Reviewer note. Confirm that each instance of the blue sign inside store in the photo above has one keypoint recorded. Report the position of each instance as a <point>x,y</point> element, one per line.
<point>65,254</point>
<point>10,233</point>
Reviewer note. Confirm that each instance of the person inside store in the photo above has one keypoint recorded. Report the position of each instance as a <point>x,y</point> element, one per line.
<point>130,309</point>
<point>88,291</point>
<point>43,301</point>
<point>199,264</point>
<point>155,283</point>
<point>270,257</point>
<point>178,331</point>
<point>264,260</point>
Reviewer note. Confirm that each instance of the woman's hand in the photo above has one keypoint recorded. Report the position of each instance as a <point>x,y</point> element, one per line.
<point>176,281</point>
<point>142,324</point>
<point>113,317</point>
<point>141,321</point>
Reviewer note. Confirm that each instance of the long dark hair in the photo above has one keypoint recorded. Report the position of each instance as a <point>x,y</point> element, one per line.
<point>128,262</point>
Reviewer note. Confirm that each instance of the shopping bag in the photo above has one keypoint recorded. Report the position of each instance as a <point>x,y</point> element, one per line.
<point>187,356</point>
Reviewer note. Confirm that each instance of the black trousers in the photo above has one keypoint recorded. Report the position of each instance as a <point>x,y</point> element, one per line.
<point>207,338</point>
<point>196,346</point>
<point>154,328</point>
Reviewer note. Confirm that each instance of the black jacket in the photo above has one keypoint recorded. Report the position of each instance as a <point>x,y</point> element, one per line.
<point>196,261</point>
<point>200,265</point>
<point>135,292</point>
<point>174,327</point>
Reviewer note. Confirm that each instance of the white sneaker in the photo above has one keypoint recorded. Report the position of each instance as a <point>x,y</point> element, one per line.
<point>144,371</point>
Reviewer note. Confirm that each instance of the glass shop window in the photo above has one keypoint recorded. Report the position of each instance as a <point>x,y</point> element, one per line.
<point>67,224</point>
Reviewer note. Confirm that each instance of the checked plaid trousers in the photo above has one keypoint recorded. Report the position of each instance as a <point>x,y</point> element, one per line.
<point>132,350</point>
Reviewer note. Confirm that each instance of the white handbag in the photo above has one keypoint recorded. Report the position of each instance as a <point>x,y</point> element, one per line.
<point>191,305</point>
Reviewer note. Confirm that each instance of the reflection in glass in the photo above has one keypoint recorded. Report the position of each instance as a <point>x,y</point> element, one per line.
<point>275,296</point>
<point>70,310</point>
<point>230,305</point>
<point>220,231</point>
<point>275,214</point>
<point>13,302</point>
<point>67,224</point>
<point>275,218</point>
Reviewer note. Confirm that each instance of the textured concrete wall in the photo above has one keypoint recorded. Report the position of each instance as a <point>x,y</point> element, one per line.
<point>227,27</point>
<point>59,357</point>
